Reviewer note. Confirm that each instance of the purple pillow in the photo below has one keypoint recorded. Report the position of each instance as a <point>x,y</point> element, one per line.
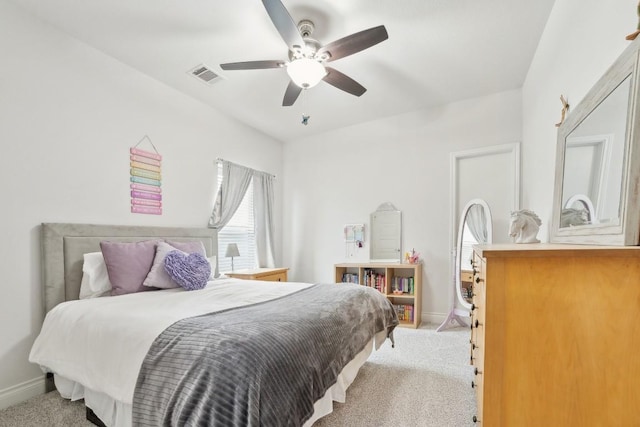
<point>190,271</point>
<point>128,264</point>
<point>189,247</point>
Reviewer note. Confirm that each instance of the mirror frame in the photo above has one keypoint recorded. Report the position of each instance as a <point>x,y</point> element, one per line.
<point>626,232</point>
<point>383,209</point>
<point>458,262</point>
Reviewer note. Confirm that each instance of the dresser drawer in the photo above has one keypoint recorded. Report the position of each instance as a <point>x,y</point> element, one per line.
<point>477,348</point>
<point>264,274</point>
<point>277,277</point>
<point>478,384</point>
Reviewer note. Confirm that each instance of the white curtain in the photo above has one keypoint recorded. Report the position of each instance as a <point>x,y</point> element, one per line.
<point>263,218</point>
<point>235,181</point>
<point>477,223</point>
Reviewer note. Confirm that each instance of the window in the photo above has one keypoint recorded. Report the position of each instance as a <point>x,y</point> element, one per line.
<point>239,230</point>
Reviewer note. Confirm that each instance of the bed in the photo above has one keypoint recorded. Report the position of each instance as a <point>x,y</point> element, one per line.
<point>233,352</point>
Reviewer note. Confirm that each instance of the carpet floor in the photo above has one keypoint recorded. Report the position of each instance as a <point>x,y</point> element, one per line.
<point>424,381</point>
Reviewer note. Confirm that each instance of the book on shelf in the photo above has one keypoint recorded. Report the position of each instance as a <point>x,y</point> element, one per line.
<point>405,312</point>
<point>406,285</point>
<point>350,278</point>
<point>376,280</point>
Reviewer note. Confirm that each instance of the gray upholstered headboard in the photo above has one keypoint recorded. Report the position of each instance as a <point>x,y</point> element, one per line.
<point>63,247</point>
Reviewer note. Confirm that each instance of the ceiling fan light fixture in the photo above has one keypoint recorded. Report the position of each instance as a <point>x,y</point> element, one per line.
<point>307,56</point>
<point>306,72</point>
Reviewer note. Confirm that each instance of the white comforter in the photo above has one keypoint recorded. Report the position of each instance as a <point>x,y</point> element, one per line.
<point>101,342</point>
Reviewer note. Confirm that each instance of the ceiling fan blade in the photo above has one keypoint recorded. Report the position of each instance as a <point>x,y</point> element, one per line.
<point>343,82</point>
<point>291,94</point>
<point>252,65</point>
<point>285,25</point>
<point>354,43</point>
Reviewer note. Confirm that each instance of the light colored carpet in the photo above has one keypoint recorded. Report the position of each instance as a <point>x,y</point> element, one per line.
<point>46,410</point>
<point>424,381</point>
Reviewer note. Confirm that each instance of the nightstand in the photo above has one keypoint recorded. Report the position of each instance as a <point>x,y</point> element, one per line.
<point>268,274</point>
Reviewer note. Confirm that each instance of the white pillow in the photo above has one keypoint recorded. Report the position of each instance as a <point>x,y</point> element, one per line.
<point>95,279</point>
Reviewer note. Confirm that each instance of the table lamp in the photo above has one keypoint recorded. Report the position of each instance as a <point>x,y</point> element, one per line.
<point>232,251</point>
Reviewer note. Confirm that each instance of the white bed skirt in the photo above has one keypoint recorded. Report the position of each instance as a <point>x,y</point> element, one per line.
<point>118,414</point>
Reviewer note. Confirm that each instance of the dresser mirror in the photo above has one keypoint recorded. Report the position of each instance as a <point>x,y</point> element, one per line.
<point>386,234</point>
<point>596,198</point>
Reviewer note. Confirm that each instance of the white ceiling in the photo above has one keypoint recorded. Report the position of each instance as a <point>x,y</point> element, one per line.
<point>438,51</point>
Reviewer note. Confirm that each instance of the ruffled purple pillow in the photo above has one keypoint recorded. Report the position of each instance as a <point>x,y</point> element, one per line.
<point>190,271</point>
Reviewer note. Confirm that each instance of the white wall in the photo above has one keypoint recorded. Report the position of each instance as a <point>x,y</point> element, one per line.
<point>581,40</point>
<point>341,177</point>
<point>68,115</point>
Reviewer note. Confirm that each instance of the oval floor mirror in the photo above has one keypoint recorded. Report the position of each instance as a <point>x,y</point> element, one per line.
<point>474,227</point>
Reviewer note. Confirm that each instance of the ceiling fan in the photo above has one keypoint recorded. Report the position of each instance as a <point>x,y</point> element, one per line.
<point>307,56</point>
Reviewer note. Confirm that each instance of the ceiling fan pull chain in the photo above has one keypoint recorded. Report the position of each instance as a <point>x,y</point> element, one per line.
<point>303,102</point>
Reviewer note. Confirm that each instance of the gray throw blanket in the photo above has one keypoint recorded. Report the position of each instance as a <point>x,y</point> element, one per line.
<point>260,365</point>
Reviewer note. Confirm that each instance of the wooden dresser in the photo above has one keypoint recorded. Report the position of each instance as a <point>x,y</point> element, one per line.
<point>555,335</point>
<point>267,274</point>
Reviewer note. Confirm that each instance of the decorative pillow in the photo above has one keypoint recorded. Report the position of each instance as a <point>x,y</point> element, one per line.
<point>189,247</point>
<point>158,276</point>
<point>190,271</point>
<point>95,280</point>
<point>128,264</point>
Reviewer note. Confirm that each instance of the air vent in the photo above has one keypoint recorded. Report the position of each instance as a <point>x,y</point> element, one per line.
<point>204,74</point>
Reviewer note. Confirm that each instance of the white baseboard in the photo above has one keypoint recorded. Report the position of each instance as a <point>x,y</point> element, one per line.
<point>21,392</point>
<point>437,319</point>
<point>433,317</point>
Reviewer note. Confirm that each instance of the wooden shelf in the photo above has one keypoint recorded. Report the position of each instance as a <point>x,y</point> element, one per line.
<point>390,272</point>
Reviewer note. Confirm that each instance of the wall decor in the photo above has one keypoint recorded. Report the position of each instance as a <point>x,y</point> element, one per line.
<point>563,113</point>
<point>146,179</point>
<point>635,34</point>
<point>353,238</point>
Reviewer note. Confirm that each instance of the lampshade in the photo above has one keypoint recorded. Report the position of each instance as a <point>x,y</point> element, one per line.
<point>306,72</point>
<point>232,250</point>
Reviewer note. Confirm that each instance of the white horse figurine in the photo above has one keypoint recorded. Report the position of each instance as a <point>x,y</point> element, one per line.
<point>524,226</point>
